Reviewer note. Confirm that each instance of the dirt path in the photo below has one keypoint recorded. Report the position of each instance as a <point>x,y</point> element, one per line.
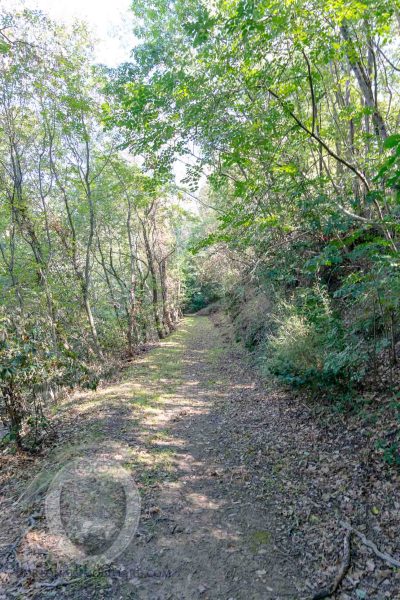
<point>205,530</point>
<point>243,487</point>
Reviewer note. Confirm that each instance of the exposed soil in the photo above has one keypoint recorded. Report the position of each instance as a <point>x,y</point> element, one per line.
<point>243,488</point>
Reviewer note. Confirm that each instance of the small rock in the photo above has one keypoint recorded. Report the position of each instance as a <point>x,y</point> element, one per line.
<point>370,566</point>
<point>261,572</point>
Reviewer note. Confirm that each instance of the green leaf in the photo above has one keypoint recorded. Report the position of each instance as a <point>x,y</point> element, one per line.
<point>4,47</point>
<point>392,141</point>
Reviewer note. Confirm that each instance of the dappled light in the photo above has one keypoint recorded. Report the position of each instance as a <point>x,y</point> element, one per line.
<point>200,300</point>
<point>156,423</point>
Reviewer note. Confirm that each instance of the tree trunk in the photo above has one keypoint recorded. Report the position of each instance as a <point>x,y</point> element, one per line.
<point>154,286</point>
<point>364,82</point>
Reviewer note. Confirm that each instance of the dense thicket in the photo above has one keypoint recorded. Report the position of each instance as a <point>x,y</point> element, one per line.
<point>291,109</point>
<point>90,247</point>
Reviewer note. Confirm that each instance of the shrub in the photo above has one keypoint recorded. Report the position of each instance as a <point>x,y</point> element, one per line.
<point>310,346</point>
<point>30,367</point>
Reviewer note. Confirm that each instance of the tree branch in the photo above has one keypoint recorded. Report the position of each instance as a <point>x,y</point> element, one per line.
<point>318,139</point>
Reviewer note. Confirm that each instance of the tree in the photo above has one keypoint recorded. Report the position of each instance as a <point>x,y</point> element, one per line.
<point>86,241</point>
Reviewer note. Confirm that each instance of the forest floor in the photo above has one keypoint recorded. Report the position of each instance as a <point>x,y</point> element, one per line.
<point>244,488</point>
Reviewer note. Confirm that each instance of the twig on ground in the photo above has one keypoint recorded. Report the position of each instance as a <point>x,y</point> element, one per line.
<point>13,547</point>
<point>59,583</point>
<point>344,567</point>
<point>383,555</point>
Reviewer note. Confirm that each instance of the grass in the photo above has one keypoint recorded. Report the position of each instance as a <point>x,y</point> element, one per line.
<point>258,539</point>
<point>145,387</point>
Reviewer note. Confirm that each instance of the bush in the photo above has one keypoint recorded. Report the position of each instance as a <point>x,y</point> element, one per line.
<point>199,292</point>
<point>310,346</point>
<point>30,367</point>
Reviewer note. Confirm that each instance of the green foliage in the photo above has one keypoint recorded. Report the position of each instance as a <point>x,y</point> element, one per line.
<point>309,346</point>
<point>90,245</point>
<point>290,112</point>
<point>200,290</point>
<point>30,367</point>
<point>303,169</point>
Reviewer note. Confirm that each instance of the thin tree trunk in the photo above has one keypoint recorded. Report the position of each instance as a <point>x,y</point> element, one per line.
<point>364,82</point>
<point>154,284</point>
